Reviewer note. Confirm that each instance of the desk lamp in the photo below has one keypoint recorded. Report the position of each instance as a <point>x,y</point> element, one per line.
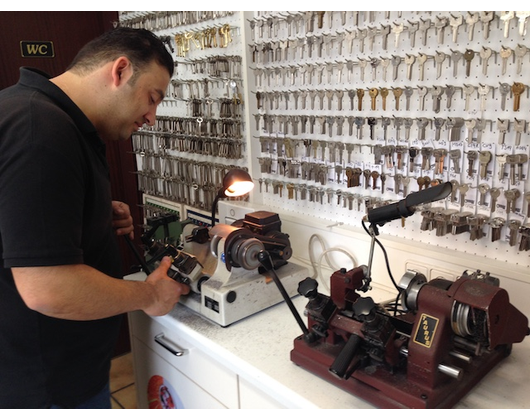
<point>236,183</point>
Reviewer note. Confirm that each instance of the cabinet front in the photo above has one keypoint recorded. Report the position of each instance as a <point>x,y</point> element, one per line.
<point>166,359</point>
<point>160,385</point>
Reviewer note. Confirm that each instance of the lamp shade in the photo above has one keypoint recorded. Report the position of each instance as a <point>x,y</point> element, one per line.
<point>236,183</point>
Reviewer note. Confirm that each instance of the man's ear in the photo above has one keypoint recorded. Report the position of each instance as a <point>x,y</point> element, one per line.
<point>121,70</point>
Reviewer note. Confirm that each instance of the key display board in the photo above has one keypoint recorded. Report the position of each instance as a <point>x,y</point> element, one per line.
<point>334,113</point>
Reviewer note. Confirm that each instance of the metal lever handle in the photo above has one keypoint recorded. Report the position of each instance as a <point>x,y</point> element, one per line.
<point>168,345</point>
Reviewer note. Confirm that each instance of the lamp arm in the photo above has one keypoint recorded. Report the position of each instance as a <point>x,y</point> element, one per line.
<point>214,208</point>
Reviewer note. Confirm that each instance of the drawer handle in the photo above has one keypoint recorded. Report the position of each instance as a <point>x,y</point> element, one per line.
<point>169,346</point>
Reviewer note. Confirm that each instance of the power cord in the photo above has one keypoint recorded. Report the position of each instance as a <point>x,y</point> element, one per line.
<point>317,266</point>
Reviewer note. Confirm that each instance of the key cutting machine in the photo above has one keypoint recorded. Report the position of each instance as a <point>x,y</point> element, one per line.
<point>228,281</point>
<point>425,349</point>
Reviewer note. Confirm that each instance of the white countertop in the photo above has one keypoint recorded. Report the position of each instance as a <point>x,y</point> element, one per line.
<point>258,349</point>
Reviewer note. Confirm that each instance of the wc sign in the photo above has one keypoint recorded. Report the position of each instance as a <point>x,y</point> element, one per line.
<point>37,49</point>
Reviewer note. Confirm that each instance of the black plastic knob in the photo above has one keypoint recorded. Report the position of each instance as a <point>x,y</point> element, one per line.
<point>308,287</point>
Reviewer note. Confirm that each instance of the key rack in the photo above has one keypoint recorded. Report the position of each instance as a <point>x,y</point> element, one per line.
<point>336,112</point>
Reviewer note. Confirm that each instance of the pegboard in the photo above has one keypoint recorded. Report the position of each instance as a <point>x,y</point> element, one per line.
<point>199,133</point>
<point>298,84</point>
<point>309,129</point>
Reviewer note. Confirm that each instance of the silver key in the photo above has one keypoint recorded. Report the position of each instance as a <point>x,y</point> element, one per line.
<point>385,31</point>
<point>486,18</point>
<point>481,125</point>
<point>439,58</point>
<point>522,16</point>
<point>438,124</point>
<point>397,29</point>
<point>449,92</point>
<point>503,126</point>
<point>512,161</point>
<point>501,162</point>
<point>484,159</point>
<point>424,26</point>
<point>385,62</point>
<point>463,189</point>
<point>422,91</point>
<point>436,93</point>
<point>455,22</point>
<point>471,158</point>
<point>511,197</point>
<point>471,19</point>
<point>485,54</point>
<point>483,189</point>
<point>513,227</point>
<point>439,25</point>
<point>470,125</point>
<point>506,17</point>
<point>521,160</point>
<point>422,58</point>
<point>519,127</point>
<point>504,89</point>
<point>408,91</point>
<point>412,29</point>
<point>455,58</point>
<point>409,61</point>
<point>483,91</point>
<point>505,53</point>
<point>520,52</point>
<point>494,195</point>
<point>527,199</point>
<point>468,90</point>
<point>455,156</point>
<point>396,61</point>
<point>422,123</point>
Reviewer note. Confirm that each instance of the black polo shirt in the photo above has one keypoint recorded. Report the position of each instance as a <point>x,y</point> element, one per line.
<point>55,209</point>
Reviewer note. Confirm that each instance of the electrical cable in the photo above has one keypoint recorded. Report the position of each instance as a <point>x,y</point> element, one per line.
<point>317,266</point>
<point>137,255</point>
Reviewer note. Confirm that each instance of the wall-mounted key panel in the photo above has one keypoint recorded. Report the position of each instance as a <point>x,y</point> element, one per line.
<point>200,131</point>
<point>355,109</point>
<point>336,112</point>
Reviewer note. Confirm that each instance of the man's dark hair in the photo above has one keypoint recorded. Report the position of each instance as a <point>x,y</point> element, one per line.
<point>140,46</point>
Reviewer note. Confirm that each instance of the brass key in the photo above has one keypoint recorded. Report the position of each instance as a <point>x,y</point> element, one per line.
<point>373,92</point>
<point>384,94</point>
<point>397,94</point>
<point>320,21</point>
<point>468,56</point>
<point>374,175</point>
<point>421,182</point>
<point>360,94</point>
<point>517,89</point>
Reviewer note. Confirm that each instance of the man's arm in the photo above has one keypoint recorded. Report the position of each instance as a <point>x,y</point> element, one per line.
<point>79,292</point>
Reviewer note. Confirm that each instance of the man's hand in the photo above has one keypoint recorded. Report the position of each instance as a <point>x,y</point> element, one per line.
<point>167,291</point>
<point>122,219</point>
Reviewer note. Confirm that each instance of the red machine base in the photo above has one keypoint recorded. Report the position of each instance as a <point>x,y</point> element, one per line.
<point>384,389</point>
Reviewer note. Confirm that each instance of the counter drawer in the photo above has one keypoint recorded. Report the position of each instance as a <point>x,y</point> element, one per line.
<point>160,385</point>
<point>192,362</point>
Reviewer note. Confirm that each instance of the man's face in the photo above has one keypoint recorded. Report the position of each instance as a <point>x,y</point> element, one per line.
<point>135,103</point>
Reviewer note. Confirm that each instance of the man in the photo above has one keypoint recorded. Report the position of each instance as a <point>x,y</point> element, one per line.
<point>61,291</point>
